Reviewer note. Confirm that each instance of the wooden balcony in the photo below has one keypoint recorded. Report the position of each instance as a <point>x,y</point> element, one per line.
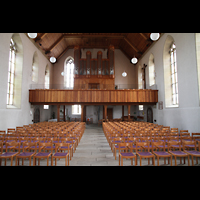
<point>93,97</point>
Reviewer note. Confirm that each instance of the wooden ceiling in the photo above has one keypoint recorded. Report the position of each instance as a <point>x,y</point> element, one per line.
<point>56,44</point>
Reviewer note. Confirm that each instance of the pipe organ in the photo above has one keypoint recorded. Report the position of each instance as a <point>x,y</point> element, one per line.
<point>96,73</point>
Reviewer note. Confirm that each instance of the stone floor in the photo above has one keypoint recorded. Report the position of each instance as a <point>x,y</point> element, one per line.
<point>94,150</point>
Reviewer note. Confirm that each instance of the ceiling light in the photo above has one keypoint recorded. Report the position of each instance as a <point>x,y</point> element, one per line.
<point>155,36</point>
<point>124,74</point>
<point>52,59</point>
<point>32,35</point>
<point>134,60</point>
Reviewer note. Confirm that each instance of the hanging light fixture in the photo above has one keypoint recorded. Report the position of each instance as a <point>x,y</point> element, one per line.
<point>154,36</point>
<point>124,74</point>
<point>52,59</point>
<point>32,35</point>
<point>134,60</point>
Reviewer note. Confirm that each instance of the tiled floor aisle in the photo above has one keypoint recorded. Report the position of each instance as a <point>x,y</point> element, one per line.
<point>93,149</point>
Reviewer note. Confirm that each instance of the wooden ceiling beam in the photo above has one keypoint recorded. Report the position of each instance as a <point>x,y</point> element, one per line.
<point>54,44</point>
<point>40,38</point>
<point>133,47</point>
<point>71,36</point>
<point>144,36</point>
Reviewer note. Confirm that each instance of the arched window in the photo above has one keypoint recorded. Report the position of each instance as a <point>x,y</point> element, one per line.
<point>170,73</point>
<point>15,67</point>
<point>11,73</point>
<point>174,74</point>
<point>152,80</point>
<point>47,81</point>
<point>140,78</point>
<point>69,73</point>
<point>35,66</point>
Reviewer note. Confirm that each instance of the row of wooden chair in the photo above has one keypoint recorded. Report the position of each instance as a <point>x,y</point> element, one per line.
<point>117,137</point>
<point>12,144</point>
<point>140,146</point>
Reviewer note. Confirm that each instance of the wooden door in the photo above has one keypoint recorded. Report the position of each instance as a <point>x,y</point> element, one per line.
<point>150,115</point>
<point>110,113</point>
<point>36,115</point>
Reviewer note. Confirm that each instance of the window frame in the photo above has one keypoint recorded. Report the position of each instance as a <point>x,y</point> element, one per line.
<point>174,74</point>
<point>11,73</point>
<point>76,108</point>
<point>69,73</point>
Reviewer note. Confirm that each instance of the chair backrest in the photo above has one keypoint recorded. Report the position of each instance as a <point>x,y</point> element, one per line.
<point>58,145</point>
<point>158,143</point>
<point>171,142</point>
<point>29,144</point>
<point>139,144</point>
<point>124,144</point>
<point>183,138</point>
<point>14,144</point>
<point>197,134</point>
<point>48,144</point>
<point>1,144</point>
<point>189,143</point>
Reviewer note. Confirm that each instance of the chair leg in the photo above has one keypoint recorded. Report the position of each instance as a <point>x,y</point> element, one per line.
<point>153,160</point>
<point>16,161</point>
<point>175,160</point>
<point>188,160</point>
<point>171,160</point>
<point>68,160</point>
<point>135,160</point>
<point>11,161</point>
<point>157,160</point>
<point>119,159</point>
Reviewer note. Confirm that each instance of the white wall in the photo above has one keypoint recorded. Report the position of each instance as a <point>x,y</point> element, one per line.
<point>17,117</point>
<point>187,115</point>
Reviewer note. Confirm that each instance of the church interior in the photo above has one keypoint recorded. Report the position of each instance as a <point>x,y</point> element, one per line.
<point>99,90</point>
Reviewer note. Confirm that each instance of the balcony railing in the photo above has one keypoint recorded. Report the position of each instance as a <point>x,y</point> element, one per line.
<point>86,87</point>
<point>91,96</point>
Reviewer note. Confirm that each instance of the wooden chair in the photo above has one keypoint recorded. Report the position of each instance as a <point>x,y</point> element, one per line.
<point>116,147</point>
<point>163,154</point>
<point>44,154</point>
<point>59,154</point>
<point>178,153</point>
<point>127,155</point>
<point>7,154</point>
<point>147,154</point>
<point>67,147</point>
<point>193,153</point>
<point>26,154</point>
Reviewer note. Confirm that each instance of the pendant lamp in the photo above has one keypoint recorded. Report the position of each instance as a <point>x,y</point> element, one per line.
<point>124,74</point>
<point>134,60</point>
<point>32,35</point>
<point>154,36</point>
<point>52,59</point>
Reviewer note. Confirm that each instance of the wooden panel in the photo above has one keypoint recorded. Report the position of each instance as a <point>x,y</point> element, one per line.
<point>93,96</point>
